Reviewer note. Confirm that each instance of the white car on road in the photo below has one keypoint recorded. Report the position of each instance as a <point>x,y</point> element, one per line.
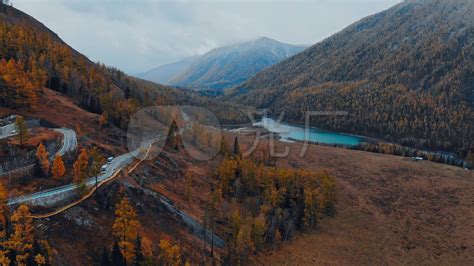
<point>103,169</point>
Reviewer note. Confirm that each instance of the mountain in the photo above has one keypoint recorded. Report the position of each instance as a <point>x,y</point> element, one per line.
<point>228,66</point>
<point>164,73</point>
<point>404,75</point>
<point>171,207</point>
<point>40,59</point>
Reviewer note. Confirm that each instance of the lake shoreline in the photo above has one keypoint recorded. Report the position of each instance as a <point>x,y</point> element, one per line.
<point>315,135</point>
<point>363,142</point>
<point>295,123</point>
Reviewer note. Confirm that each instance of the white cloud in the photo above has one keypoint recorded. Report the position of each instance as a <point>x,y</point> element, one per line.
<point>138,35</point>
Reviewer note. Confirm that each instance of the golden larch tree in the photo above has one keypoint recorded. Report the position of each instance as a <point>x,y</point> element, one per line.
<point>258,233</point>
<point>17,87</point>
<point>58,170</point>
<point>98,159</point>
<point>311,204</point>
<point>4,260</point>
<point>21,240</point>
<point>328,194</point>
<point>170,254</point>
<point>147,247</point>
<point>125,228</point>
<point>40,260</point>
<point>3,212</point>
<point>43,160</point>
<point>226,173</point>
<point>80,167</point>
<point>224,149</point>
<point>29,92</point>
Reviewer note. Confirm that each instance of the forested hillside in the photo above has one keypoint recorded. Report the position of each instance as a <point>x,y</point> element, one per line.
<point>405,75</point>
<point>32,57</point>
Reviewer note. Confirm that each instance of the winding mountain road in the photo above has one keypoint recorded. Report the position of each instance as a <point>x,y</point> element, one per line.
<point>7,131</point>
<point>69,141</point>
<point>69,144</point>
<point>116,164</point>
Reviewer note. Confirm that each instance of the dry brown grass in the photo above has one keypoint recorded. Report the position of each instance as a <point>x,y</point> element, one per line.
<point>390,210</point>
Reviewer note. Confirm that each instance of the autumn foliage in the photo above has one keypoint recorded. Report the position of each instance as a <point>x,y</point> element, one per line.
<point>125,228</point>
<point>22,238</point>
<point>170,254</point>
<point>396,77</point>
<point>130,248</point>
<point>3,211</point>
<point>58,170</point>
<point>278,201</point>
<point>20,246</point>
<point>20,88</point>
<point>81,166</point>
<point>42,157</point>
<point>33,58</point>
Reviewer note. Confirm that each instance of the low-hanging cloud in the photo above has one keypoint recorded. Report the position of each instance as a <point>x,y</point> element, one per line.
<point>138,35</point>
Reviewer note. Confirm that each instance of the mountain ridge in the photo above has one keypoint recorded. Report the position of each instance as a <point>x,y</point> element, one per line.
<point>94,87</point>
<point>230,65</point>
<point>162,74</point>
<point>411,62</point>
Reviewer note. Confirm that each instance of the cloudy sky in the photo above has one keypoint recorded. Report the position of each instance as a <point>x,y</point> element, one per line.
<point>136,36</point>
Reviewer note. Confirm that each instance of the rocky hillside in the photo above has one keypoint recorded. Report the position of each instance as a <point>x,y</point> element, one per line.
<point>405,75</point>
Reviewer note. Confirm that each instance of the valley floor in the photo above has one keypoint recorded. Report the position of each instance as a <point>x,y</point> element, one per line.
<point>390,210</point>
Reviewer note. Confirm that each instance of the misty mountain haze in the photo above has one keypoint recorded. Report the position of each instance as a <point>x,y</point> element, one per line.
<point>139,36</point>
<point>164,73</point>
<point>223,67</point>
